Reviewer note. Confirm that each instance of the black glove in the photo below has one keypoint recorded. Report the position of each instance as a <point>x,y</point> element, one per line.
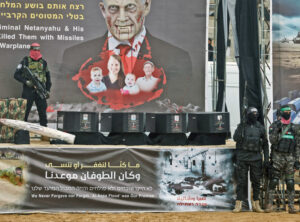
<point>297,165</point>
<point>48,95</point>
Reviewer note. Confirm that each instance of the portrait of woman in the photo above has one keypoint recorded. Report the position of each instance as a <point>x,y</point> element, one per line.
<point>115,78</point>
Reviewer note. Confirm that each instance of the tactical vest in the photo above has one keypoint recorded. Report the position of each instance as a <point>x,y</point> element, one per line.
<point>287,141</point>
<point>38,68</point>
<point>252,139</point>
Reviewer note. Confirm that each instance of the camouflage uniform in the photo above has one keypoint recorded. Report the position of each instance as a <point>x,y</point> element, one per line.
<point>285,153</point>
<point>40,69</point>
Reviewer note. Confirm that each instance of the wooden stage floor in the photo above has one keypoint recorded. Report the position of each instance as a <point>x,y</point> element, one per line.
<point>37,143</point>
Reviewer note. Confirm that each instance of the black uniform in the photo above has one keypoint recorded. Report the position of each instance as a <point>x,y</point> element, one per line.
<point>251,139</point>
<point>40,69</point>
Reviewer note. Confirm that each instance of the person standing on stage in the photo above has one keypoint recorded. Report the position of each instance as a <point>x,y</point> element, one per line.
<point>38,67</point>
<point>285,140</point>
<point>251,140</point>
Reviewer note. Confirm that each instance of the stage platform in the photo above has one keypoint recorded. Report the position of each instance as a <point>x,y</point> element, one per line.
<point>37,143</point>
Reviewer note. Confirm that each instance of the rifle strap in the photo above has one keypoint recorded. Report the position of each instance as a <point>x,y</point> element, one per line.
<point>285,130</point>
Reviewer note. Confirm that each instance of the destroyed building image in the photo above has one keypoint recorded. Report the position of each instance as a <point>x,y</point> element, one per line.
<point>197,178</point>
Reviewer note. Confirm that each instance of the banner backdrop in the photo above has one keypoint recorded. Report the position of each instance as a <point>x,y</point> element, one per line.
<point>110,179</point>
<point>286,62</point>
<point>79,37</point>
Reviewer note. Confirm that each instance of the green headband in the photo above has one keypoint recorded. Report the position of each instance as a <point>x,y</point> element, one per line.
<point>34,48</point>
<point>286,109</point>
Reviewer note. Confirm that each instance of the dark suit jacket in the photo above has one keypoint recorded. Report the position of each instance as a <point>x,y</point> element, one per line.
<point>175,62</point>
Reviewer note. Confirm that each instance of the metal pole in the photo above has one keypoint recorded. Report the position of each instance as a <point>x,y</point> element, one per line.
<point>214,75</point>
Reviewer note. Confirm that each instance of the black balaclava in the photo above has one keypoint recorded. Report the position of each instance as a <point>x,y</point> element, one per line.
<point>252,115</point>
<point>285,112</point>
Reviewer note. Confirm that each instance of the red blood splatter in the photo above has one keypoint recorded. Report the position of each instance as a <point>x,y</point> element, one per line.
<point>114,98</point>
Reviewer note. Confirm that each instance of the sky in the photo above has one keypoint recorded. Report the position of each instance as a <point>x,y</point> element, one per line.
<point>286,19</point>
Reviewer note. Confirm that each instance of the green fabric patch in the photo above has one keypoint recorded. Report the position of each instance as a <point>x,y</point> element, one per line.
<point>288,137</point>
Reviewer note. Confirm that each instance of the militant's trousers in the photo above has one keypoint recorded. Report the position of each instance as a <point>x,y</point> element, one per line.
<point>283,166</point>
<point>255,168</point>
<point>41,105</point>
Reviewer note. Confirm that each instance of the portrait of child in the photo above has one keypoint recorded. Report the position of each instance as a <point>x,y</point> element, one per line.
<point>130,87</point>
<point>96,85</point>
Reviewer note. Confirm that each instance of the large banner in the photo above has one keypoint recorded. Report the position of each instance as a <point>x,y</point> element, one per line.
<point>139,54</point>
<point>110,179</point>
<point>286,60</point>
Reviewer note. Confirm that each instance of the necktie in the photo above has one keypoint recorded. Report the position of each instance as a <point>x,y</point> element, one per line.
<point>127,63</point>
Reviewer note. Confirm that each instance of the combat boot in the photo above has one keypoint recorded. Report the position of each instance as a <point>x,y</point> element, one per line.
<point>238,206</point>
<point>269,208</point>
<point>292,210</point>
<point>256,207</point>
<point>291,196</point>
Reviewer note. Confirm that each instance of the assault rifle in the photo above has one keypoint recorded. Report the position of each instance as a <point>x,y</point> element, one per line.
<point>264,195</point>
<point>39,87</point>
